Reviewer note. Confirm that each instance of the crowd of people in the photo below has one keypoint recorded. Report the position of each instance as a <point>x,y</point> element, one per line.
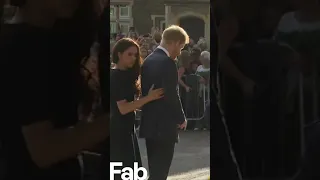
<point>194,60</point>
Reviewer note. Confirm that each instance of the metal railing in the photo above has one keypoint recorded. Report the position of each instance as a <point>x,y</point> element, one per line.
<point>194,102</point>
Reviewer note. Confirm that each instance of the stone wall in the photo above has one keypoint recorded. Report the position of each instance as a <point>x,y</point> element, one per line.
<point>142,11</point>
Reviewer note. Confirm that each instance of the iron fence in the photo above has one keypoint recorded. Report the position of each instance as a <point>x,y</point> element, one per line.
<point>195,103</point>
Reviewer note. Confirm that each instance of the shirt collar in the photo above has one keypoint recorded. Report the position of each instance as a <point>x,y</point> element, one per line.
<point>164,49</point>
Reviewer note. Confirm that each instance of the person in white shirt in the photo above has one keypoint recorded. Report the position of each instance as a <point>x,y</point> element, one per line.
<point>203,71</point>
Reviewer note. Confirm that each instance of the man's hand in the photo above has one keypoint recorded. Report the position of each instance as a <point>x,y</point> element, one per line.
<point>183,125</point>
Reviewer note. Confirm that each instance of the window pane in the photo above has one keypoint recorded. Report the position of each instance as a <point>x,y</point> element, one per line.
<point>124,28</point>
<point>113,27</point>
<point>124,11</point>
<point>112,12</point>
<point>163,26</point>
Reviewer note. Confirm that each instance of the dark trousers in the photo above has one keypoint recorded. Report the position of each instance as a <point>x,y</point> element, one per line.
<point>160,154</point>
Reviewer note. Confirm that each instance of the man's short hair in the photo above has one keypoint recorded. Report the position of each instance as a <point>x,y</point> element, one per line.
<point>175,34</point>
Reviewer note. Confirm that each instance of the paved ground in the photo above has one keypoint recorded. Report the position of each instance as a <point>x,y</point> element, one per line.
<point>191,160</point>
<point>192,156</point>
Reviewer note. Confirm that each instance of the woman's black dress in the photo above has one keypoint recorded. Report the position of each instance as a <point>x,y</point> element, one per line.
<point>123,140</point>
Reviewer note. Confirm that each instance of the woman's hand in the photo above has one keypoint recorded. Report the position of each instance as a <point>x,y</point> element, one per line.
<point>155,94</point>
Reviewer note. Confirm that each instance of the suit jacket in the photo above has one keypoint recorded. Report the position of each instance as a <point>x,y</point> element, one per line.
<point>160,118</point>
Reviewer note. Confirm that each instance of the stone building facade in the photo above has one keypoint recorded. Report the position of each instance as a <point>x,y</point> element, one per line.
<point>121,13</point>
<point>192,15</point>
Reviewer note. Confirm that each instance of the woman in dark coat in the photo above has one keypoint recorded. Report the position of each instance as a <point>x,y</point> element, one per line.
<point>124,87</point>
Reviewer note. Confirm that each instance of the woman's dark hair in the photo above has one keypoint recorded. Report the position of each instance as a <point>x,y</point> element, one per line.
<point>184,59</point>
<point>195,52</point>
<point>195,56</point>
<point>121,46</point>
<point>157,37</point>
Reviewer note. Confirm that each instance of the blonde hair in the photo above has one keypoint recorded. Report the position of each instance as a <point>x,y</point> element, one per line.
<point>175,33</point>
<point>184,58</point>
<point>205,55</point>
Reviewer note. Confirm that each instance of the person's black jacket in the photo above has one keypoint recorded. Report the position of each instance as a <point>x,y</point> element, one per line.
<point>160,118</point>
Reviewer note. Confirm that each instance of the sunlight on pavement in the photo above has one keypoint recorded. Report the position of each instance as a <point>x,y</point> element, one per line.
<point>199,174</point>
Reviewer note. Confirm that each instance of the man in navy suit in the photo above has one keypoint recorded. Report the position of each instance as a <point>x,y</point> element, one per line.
<point>162,119</point>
